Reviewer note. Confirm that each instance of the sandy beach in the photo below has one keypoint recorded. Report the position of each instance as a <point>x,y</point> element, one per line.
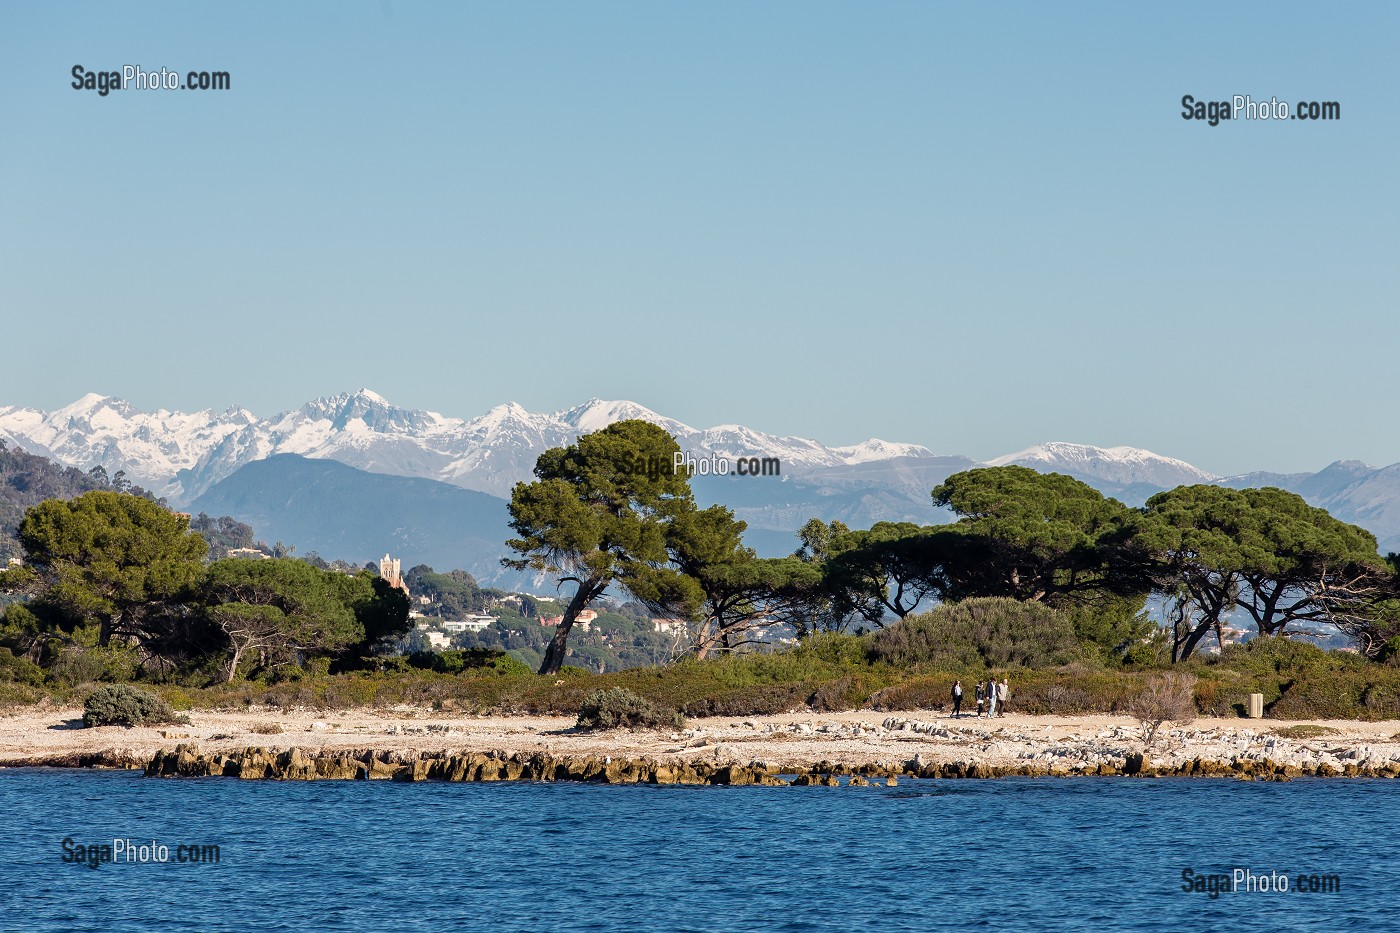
<point>1059,744</point>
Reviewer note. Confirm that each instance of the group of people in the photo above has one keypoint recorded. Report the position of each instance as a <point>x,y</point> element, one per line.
<point>991,698</point>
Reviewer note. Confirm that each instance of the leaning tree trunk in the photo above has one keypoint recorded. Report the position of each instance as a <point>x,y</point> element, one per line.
<point>1186,644</point>
<point>558,645</point>
<point>233,664</point>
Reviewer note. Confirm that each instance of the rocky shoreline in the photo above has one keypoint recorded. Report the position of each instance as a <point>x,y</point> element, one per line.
<point>1280,761</point>
<point>298,765</point>
<point>796,748</point>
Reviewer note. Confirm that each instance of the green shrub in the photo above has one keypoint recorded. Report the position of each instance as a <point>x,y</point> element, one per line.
<point>467,660</point>
<point>1304,731</point>
<point>993,632</point>
<point>621,708</point>
<point>317,667</point>
<point>1389,652</point>
<point>1279,655</point>
<point>121,705</point>
<point>13,694</point>
<point>76,666</point>
<point>753,700</point>
<point>507,665</point>
<point>840,694</point>
<point>918,693</point>
<point>1152,651</point>
<point>845,651</point>
<point>1332,695</point>
<point>1226,692</point>
<point>19,670</point>
<point>79,665</point>
<point>1072,689</point>
<point>1118,630</point>
<point>177,698</point>
<point>1381,700</point>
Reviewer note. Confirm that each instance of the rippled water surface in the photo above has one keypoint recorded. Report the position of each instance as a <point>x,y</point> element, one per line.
<point>1094,854</point>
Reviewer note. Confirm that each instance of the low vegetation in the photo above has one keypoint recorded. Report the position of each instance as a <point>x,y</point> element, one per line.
<point>987,632</point>
<point>620,708</point>
<point>825,673</point>
<point>1165,698</point>
<point>1040,579</point>
<point>1305,731</point>
<point>122,705</point>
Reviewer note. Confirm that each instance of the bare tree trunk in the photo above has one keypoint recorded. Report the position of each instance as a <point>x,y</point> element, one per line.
<point>1187,643</point>
<point>703,641</point>
<point>233,665</point>
<point>554,655</point>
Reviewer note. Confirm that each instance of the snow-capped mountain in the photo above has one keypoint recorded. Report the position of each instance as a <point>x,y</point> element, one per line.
<point>180,455</point>
<point>152,447</point>
<point>875,449</point>
<point>1119,465</point>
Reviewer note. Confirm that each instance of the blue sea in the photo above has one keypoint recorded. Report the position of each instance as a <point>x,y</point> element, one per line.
<point>1011,854</point>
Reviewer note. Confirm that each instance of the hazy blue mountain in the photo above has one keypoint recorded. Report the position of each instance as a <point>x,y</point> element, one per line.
<point>341,512</point>
<point>181,455</point>
<point>1351,490</point>
<point>859,494</point>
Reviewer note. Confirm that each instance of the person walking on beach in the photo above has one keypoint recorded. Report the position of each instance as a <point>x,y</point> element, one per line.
<point>1002,690</point>
<point>991,698</point>
<point>957,699</point>
<point>981,698</point>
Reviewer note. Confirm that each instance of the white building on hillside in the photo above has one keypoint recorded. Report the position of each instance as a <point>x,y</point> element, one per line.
<point>475,623</point>
<point>668,626</point>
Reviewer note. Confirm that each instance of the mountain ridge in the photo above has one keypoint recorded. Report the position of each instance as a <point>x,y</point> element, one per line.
<point>182,455</point>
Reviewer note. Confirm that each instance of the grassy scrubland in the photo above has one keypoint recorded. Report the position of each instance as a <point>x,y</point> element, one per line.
<point>826,673</point>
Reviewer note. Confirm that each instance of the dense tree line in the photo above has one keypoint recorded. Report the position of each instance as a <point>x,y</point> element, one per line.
<point>27,479</point>
<point>1205,552</point>
<point>451,594</point>
<point>114,571</point>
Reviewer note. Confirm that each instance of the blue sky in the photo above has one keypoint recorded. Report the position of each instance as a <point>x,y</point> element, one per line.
<point>974,227</point>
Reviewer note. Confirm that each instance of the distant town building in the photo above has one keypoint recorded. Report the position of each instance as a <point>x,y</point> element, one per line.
<point>583,621</point>
<point>1230,635</point>
<point>438,640</point>
<point>668,626</point>
<point>472,623</point>
<point>247,553</point>
<point>389,571</point>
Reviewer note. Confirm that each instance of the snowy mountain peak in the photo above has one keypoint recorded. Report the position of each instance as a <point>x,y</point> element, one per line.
<point>876,449</point>
<point>85,404</point>
<point>596,414</point>
<point>510,412</point>
<point>1114,464</point>
<point>179,455</point>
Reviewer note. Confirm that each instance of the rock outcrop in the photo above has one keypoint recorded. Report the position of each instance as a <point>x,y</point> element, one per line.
<point>297,764</point>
